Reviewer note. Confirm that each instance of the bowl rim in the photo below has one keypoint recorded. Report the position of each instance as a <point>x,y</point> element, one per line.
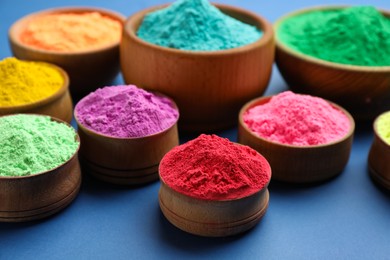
<point>348,67</point>
<point>53,170</point>
<point>266,29</point>
<point>21,22</point>
<point>254,102</point>
<point>41,102</point>
<point>95,133</point>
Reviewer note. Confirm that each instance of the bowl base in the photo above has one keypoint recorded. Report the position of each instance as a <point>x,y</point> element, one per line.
<point>378,178</point>
<point>121,177</point>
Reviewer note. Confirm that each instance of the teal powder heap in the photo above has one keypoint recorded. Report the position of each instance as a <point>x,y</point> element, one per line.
<point>195,25</point>
<point>356,35</point>
<point>31,144</point>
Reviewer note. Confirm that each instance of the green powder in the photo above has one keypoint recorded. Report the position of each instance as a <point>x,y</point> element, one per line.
<point>195,25</point>
<point>356,35</point>
<point>31,144</point>
<point>383,127</point>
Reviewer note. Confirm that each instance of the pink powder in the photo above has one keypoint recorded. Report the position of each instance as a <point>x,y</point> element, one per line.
<point>296,119</point>
<point>126,111</point>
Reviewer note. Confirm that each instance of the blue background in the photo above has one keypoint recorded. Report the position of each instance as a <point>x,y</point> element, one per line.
<point>345,218</point>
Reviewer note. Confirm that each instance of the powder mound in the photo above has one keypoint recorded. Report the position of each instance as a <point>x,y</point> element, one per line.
<point>297,119</point>
<point>71,31</point>
<point>195,25</point>
<point>32,144</point>
<point>357,35</point>
<point>213,168</point>
<point>25,82</point>
<point>383,127</point>
<point>126,111</point>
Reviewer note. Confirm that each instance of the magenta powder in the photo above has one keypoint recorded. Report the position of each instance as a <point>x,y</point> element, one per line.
<point>126,111</point>
<point>297,119</point>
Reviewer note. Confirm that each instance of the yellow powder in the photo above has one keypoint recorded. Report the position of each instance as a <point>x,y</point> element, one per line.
<point>71,31</point>
<point>24,82</point>
<point>383,126</point>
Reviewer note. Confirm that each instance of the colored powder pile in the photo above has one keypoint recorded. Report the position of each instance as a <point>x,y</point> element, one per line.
<point>195,25</point>
<point>297,119</point>
<point>356,35</point>
<point>383,127</point>
<point>32,144</point>
<point>126,111</point>
<point>67,32</point>
<point>24,82</point>
<point>213,168</point>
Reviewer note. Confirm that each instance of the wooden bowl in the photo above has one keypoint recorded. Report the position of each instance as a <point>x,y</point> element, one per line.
<point>298,164</point>
<point>362,90</point>
<point>40,195</point>
<point>208,86</point>
<point>379,158</point>
<point>88,69</point>
<point>59,105</point>
<point>125,161</point>
<point>212,218</point>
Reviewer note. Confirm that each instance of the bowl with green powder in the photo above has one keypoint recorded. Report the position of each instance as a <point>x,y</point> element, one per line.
<point>39,167</point>
<point>210,59</point>
<point>379,155</point>
<point>34,87</point>
<point>339,53</point>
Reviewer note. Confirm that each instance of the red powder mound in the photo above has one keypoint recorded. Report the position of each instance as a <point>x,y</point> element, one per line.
<point>213,168</point>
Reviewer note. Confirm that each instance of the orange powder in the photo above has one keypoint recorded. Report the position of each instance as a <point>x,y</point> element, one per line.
<point>71,31</point>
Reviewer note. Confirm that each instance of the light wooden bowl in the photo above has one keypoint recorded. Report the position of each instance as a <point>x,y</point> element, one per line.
<point>88,70</point>
<point>209,87</point>
<point>59,105</point>
<point>298,164</point>
<point>362,90</point>
<point>212,218</point>
<point>125,161</point>
<point>379,158</point>
<point>40,195</point>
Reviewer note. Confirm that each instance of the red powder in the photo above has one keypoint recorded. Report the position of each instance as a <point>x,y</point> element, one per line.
<point>296,119</point>
<point>213,168</point>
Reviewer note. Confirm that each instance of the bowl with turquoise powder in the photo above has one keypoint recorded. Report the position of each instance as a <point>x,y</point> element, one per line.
<point>210,59</point>
<point>39,167</point>
<point>338,53</point>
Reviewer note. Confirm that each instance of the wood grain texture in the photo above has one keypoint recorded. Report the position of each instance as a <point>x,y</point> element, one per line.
<point>209,87</point>
<point>39,195</point>
<point>362,90</point>
<point>87,70</point>
<point>297,164</point>
<point>212,218</point>
<point>59,105</point>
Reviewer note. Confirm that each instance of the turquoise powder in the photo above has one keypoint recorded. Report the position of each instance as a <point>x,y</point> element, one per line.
<point>195,25</point>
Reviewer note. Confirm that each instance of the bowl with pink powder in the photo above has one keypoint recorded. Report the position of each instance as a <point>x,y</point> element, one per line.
<point>84,41</point>
<point>124,133</point>
<point>213,187</point>
<point>305,138</point>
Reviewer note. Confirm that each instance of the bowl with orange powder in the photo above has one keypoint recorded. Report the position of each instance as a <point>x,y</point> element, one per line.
<point>84,41</point>
<point>306,139</point>
<point>34,87</point>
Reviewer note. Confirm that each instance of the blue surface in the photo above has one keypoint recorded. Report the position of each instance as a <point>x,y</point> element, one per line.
<point>345,218</point>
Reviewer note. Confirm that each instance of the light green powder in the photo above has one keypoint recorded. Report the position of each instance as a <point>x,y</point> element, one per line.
<point>383,126</point>
<point>356,35</point>
<point>195,25</point>
<point>31,144</point>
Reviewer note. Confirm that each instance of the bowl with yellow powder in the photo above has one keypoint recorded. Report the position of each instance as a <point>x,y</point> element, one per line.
<point>84,41</point>
<point>306,139</point>
<point>379,155</point>
<point>321,51</point>
<point>39,167</point>
<point>210,59</point>
<point>34,87</point>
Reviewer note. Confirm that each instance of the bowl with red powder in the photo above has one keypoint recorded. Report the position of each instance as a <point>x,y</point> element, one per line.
<point>84,41</point>
<point>124,132</point>
<point>211,186</point>
<point>305,138</point>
